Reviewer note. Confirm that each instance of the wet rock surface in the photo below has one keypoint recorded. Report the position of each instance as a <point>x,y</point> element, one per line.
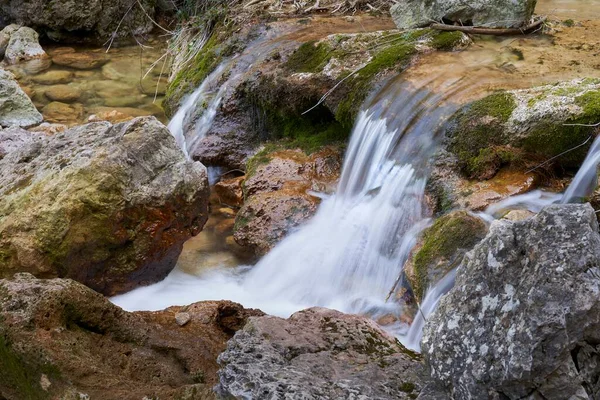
<point>16,109</point>
<point>107,205</point>
<point>409,14</point>
<point>23,45</point>
<point>525,128</point>
<point>317,354</point>
<point>277,195</point>
<point>59,339</point>
<point>522,320</point>
<point>94,20</point>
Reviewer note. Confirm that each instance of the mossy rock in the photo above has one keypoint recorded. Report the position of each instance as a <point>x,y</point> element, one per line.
<point>441,248</point>
<point>525,128</point>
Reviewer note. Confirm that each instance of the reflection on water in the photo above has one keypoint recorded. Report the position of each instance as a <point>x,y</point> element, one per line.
<point>82,81</point>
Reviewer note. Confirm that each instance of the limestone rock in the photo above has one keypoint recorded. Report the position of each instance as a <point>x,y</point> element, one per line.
<point>230,191</point>
<point>15,107</point>
<point>409,14</point>
<point>523,128</point>
<point>14,138</point>
<point>23,45</point>
<point>77,21</point>
<point>5,37</point>
<point>277,197</point>
<point>109,206</point>
<point>317,354</point>
<point>59,338</point>
<point>523,318</point>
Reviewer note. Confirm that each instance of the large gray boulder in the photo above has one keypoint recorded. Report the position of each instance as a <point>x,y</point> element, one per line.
<point>317,354</point>
<point>107,205</point>
<point>409,14</point>
<point>523,320</point>
<point>15,107</point>
<point>68,20</point>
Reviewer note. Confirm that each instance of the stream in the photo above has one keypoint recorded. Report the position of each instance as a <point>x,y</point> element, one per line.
<point>350,253</point>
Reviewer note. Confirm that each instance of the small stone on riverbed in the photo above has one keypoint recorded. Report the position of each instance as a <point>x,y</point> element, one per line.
<point>182,318</point>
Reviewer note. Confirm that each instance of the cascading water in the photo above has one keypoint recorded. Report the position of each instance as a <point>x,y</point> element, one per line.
<point>348,256</point>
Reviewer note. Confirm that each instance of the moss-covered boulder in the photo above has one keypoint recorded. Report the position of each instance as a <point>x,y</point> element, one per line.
<point>526,127</point>
<point>277,195</point>
<point>61,340</point>
<point>268,93</point>
<point>107,205</point>
<point>441,248</point>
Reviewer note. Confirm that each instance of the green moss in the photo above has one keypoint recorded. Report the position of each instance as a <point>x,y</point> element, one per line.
<point>569,22</point>
<point>440,244</point>
<point>309,57</point>
<point>407,387</point>
<point>447,41</point>
<point>20,377</point>
<point>477,129</point>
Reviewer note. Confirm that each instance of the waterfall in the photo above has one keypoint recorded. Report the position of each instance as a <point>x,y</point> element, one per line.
<point>348,256</point>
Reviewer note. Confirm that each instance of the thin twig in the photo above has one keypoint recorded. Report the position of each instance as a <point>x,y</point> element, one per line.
<point>151,19</point>
<point>561,154</point>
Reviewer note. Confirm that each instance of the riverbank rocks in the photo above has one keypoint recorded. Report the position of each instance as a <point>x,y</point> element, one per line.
<point>267,95</point>
<point>107,205</point>
<point>82,61</point>
<point>441,248</point>
<point>523,318</point>
<point>317,354</point>
<point>410,14</point>
<point>61,340</point>
<point>16,109</point>
<point>276,194</point>
<point>72,21</point>
<point>524,128</point>
<point>23,45</point>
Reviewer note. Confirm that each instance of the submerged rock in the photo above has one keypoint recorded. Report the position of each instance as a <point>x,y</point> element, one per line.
<point>523,318</point>
<point>77,21</point>
<point>109,206</point>
<point>16,109</point>
<point>60,339</point>
<point>83,61</point>
<point>317,354</point>
<point>230,191</point>
<point>526,127</point>
<point>23,45</point>
<point>409,14</point>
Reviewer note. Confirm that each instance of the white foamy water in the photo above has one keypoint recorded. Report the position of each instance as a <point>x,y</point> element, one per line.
<point>349,254</point>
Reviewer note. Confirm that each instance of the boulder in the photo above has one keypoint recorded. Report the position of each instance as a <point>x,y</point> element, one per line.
<point>441,248</point>
<point>74,21</point>
<point>317,354</point>
<point>276,193</point>
<point>109,206</point>
<point>61,340</point>
<point>523,128</point>
<point>15,107</point>
<point>409,14</point>
<point>23,45</point>
<point>523,318</point>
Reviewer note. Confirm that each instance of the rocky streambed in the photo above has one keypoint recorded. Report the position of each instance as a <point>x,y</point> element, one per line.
<point>99,198</point>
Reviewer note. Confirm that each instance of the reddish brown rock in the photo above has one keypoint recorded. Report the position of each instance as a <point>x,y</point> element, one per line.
<point>83,61</point>
<point>230,191</point>
<point>277,194</point>
<point>59,338</point>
